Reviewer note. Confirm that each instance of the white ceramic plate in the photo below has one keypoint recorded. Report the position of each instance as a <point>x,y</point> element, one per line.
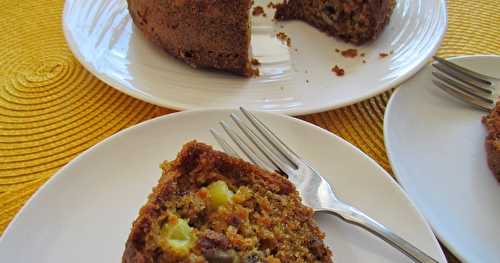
<point>436,147</point>
<point>84,212</point>
<point>295,80</point>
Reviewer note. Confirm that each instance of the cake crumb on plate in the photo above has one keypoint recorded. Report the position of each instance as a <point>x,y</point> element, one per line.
<point>272,5</point>
<point>258,10</point>
<point>338,71</point>
<point>349,53</point>
<point>284,38</point>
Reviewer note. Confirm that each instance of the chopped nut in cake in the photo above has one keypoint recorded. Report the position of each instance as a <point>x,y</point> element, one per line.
<point>355,21</point>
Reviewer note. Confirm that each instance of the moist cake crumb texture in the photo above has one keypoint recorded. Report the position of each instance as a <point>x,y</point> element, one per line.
<point>210,207</point>
<point>354,21</point>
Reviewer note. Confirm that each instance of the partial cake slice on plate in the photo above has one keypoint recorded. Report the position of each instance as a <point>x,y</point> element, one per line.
<point>355,21</point>
<point>492,141</point>
<point>210,207</point>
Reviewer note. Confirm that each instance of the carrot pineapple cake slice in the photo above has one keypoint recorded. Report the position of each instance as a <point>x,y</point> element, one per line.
<point>211,207</point>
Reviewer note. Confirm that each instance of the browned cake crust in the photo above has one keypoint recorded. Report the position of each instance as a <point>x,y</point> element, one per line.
<point>355,21</point>
<point>492,142</point>
<point>203,33</point>
<point>276,227</point>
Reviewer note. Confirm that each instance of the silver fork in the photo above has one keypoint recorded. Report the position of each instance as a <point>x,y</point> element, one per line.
<point>466,85</point>
<point>265,149</point>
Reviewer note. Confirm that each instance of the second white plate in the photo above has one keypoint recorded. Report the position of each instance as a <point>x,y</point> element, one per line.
<point>436,148</point>
<point>296,80</point>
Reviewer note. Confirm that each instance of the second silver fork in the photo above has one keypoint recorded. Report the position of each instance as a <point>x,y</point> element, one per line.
<point>265,149</point>
<point>473,88</point>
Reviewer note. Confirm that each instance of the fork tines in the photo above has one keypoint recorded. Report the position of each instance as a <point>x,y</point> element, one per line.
<point>471,87</point>
<point>258,144</point>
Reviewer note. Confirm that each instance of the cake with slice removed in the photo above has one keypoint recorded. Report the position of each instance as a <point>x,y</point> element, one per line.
<point>216,33</point>
<point>210,207</point>
<point>355,21</point>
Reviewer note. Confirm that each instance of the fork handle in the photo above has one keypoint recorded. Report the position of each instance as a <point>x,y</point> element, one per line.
<point>356,217</point>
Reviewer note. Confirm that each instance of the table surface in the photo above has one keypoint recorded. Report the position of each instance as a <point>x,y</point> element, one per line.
<point>52,109</point>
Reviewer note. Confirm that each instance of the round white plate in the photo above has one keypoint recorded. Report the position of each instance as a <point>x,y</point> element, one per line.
<point>85,211</point>
<point>296,80</point>
<point>435,145</point>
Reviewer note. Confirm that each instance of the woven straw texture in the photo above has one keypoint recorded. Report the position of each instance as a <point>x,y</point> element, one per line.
<point>51,108</point>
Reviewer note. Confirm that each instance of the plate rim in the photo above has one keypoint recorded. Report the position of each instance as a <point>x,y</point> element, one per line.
<point>172,104</point>
<point>390,156</point>
<point>60,173</point>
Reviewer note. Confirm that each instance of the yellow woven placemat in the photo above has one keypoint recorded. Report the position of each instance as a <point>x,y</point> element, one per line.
<point>51,108</point>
